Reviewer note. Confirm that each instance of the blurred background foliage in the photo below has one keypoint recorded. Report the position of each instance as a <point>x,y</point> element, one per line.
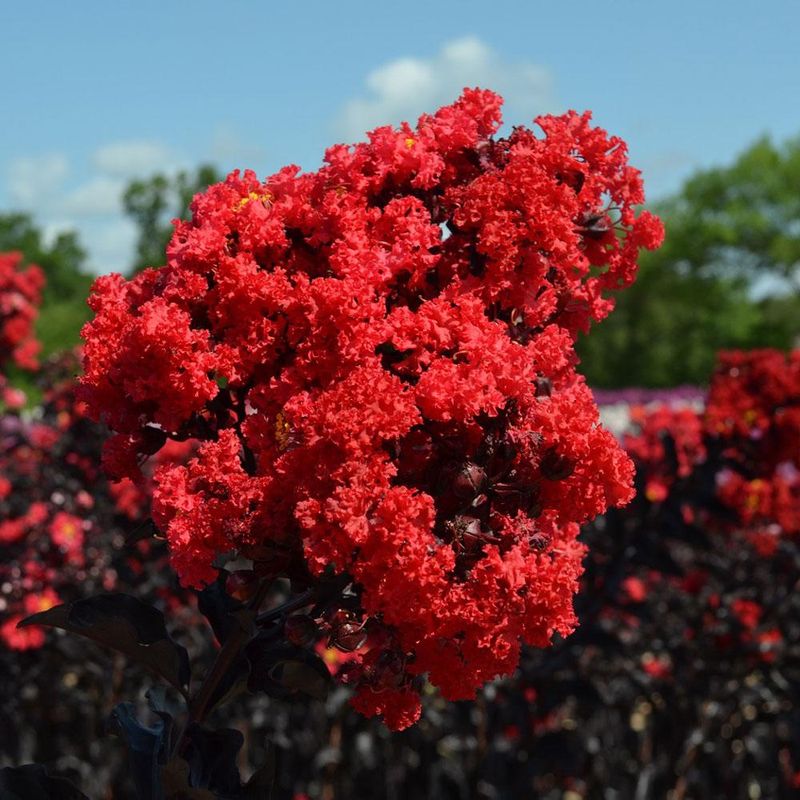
<point>63,260</point>
<point>152,203</point>
<point>728,275</point>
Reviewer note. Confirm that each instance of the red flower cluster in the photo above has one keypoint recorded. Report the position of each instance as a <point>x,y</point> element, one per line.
<point>378,361</point>
<point>133,498</point>
<point>20,295</point>
<point>31,603</point>
<point>61,524</point>
<point>726,478</point>
<point>754,409</point>
<point>754,396</point>
<point>665,459</point>
<point>48,504</point>
<point>748,437</point>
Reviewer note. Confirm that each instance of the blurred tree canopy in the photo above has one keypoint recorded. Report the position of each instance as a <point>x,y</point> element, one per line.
<point>63,260</point>
<point>743,219</point>
<point>727,276</point>
<point>152,203</point>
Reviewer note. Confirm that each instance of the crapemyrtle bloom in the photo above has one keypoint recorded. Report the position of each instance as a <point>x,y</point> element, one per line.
<point>377,361</point>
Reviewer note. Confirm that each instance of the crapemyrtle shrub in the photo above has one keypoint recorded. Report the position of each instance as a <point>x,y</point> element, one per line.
<point>377,362</point>
<point>681,679</point>
<point>754,415</point>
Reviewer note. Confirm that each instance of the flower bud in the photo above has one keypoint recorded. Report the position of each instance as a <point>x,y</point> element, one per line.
<point>544,386</point>
<point>300,629</point>
<point>462,526</point>
<point>539,541</point>
<point>349,636</point>
<point>469,480</point>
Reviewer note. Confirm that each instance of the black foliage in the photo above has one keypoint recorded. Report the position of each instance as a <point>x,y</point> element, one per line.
<point>281,669</point>
<point>219,608</point>
<point>584,717</point>
<point>203,768</point>
<point>126,624</point>
<point>210,773</point>
<point>147,748</point>
<point>174,756</point>
<point>211,756</point>
<point>32,782</point>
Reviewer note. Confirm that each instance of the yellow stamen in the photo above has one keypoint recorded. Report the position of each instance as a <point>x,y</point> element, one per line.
<point>282,431</point>
<point>265,198</point>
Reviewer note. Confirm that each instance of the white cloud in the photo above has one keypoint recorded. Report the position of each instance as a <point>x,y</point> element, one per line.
<point>99,196</point>
<point>37,180</point>
<point>92,206</point>
<point>405,88</point>
<point>111,244</point>
<point>133,158</point>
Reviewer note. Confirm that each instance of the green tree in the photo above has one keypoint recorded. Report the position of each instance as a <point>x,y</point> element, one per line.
<point>152,203</point>
<point>667,329</point>
<point>64,308</point>
<point>743,219</point>
<point>731,234</point>
<point>63,260</point>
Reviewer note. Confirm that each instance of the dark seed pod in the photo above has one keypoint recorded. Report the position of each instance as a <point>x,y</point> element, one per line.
<point>300,629</point>
<point>463,526</point>
<point>469,480</point>
<point>479,500</point>
<point>556,467</point>
<point>539,541</point>
<point>594,226</point>
<point>544,386</point>
<point>349,636</point>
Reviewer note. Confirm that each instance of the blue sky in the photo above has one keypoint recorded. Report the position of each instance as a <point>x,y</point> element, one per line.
<point>94,93</point>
